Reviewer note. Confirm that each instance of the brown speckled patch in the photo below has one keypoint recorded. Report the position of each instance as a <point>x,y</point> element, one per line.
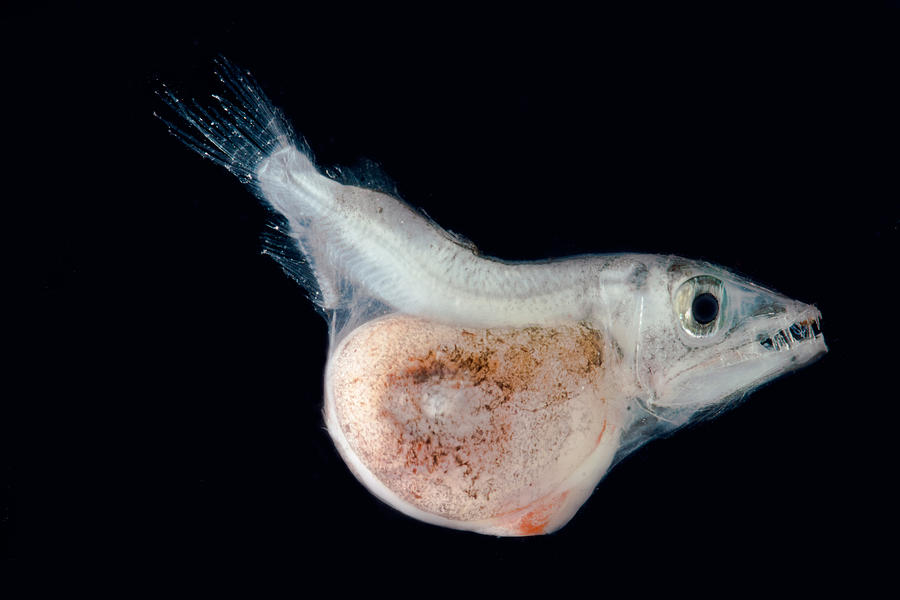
<point>470,423</point>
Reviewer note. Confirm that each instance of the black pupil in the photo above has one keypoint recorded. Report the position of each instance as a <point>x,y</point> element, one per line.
<point>705,308</point>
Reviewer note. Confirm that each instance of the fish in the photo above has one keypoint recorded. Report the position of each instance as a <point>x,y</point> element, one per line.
<point>482,394</point>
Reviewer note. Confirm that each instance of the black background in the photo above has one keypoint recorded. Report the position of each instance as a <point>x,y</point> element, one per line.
<point>173,431</point>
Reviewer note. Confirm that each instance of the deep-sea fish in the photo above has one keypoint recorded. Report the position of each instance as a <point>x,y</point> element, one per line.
<point>482,394</point>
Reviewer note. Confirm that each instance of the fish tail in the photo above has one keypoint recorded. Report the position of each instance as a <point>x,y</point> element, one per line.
<point>237,131</point>
<point>240,130</point>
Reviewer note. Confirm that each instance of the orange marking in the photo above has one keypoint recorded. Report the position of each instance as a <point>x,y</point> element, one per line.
<point>535,521</point>
<point>602,430</point>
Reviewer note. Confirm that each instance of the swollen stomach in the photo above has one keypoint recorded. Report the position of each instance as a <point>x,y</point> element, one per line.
<point>502,427</point>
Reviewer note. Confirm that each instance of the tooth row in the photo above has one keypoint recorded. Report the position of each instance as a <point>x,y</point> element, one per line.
<point>797,332</point>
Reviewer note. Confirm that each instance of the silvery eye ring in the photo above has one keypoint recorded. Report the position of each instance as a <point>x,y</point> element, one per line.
<point>699,304</point>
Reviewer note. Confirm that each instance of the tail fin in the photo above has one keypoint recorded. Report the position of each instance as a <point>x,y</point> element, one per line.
<point>239,131</point>
<point>236,134</point>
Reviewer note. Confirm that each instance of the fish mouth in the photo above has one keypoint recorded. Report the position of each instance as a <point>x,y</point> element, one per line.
<point>803,331</point>
<point>775,345</point>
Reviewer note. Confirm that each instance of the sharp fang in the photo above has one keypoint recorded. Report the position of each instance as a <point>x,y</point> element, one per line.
<point>816,328</point>
<point>781,340</point>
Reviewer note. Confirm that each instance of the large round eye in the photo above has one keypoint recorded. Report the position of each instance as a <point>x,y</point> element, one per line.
<point>699,303</point>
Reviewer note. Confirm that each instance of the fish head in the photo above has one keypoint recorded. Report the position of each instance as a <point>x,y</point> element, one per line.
<point>707,337</point>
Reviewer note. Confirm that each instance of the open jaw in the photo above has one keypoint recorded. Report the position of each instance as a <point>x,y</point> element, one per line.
<point>789,341</point>
<point>802,331</point>
<point>781,345</point>
<point>755,352</point>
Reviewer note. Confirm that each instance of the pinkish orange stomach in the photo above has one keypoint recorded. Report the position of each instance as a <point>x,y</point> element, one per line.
<point>472,424</point>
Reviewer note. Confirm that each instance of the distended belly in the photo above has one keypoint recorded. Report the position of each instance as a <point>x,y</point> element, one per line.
<point>470,424</point>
